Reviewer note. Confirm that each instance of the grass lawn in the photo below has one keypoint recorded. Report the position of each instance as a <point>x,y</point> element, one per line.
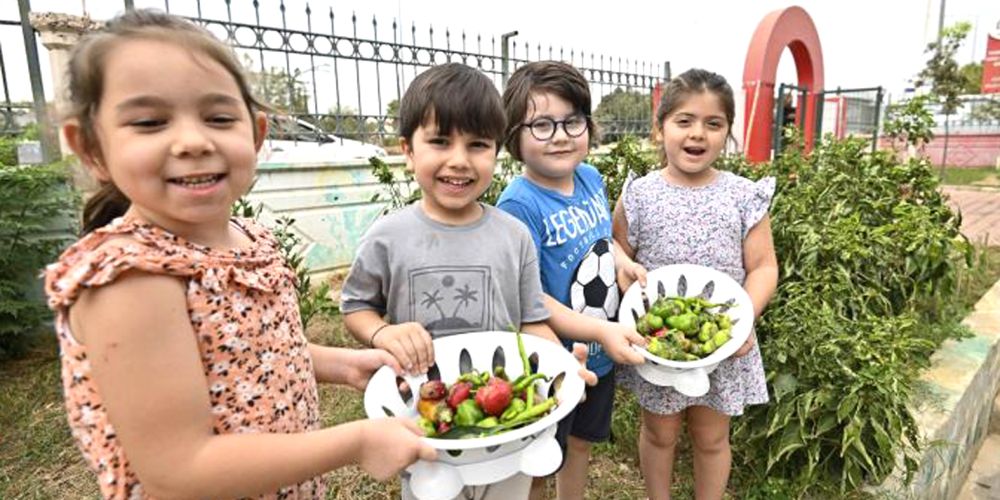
<point>982,176</point>
<point>38,459</point>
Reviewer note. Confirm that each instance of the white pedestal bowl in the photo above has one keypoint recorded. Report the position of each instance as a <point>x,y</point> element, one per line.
<point>531,450</point>
<point>685,280</point>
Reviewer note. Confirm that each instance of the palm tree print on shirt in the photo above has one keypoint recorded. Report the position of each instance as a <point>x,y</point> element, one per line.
<point>458,290</point>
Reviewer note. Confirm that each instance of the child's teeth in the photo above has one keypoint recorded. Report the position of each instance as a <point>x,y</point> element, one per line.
<point>195,181</point>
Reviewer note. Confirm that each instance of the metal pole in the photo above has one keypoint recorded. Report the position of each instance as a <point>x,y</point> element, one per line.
<point>819,101</point>
<point>505,56</point>
<point>129,5</point>
<point>878,111</point>
<point>940,25</point>
<point>779,121</point>
<point>49,148</point>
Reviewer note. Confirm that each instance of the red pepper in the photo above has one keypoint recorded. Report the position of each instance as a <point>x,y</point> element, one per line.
<point>458,393</point>
<point>433,390</point>
<point>494,397</point>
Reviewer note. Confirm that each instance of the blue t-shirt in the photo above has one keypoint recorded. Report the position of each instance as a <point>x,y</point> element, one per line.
<point>572,235</point>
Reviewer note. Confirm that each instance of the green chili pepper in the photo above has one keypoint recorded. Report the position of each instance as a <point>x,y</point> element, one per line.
<point>472,377</point>
<point>488,423</point>
<point>687,322</point>
<point>721,337</point>
<point>655,322</point>
<point>427,426</point>
<point>708,347</point>
<point>530,379</point>
<point>724,322</point>
<point>524,356</point>
<point>468,413</point>
<point>529,414</point>
<point>517,405</point>
<point>708,329</point>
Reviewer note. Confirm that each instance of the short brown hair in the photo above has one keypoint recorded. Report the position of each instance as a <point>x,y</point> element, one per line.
<point>457,97</point>
<point>86,85</point>
<point>553,77</point>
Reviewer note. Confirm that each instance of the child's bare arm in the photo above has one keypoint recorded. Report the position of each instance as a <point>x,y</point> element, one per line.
<point>619,229</point>
<point>761,266</point>
<point>540,329</point>
<point>352,367</point>
<point>615,338</point>
<point>409,343</point>
<point>627,270</point>
<point>579,350</point>
<point>146,364</point>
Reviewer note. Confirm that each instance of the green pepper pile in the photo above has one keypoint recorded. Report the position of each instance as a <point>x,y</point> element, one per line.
<point>684,328</point>
<point>482,404</point>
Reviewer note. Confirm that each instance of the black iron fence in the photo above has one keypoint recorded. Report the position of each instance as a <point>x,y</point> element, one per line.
<point>841,112</point>
<point>15,111</point>
<point>346,74</point>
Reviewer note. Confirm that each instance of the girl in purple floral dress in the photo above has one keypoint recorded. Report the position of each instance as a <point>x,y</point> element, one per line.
<point>690,212</point>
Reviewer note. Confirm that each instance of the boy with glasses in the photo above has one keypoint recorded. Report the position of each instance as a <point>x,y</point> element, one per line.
<point>563,203</point>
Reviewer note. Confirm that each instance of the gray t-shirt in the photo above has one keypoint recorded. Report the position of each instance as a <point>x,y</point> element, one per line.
<point>450,279</point>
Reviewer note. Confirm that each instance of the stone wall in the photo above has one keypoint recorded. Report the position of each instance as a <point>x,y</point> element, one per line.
<point>954,417</point>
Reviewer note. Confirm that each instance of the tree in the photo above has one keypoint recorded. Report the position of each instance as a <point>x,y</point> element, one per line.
<point>275,87</point>
<point>973,75</point>
<point>943,75</point>
<point>986,111</point>
<point>910,123</point>
<point>622,112</point>
<point>344,121</point>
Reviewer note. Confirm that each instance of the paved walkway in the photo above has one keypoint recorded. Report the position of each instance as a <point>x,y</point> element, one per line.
<point>983,482</point>
<point>980,209</point>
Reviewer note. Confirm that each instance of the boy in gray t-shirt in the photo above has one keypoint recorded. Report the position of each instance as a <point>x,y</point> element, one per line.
<point>448,264</point>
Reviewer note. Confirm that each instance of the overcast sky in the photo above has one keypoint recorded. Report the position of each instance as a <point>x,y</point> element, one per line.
<point>865,42</point>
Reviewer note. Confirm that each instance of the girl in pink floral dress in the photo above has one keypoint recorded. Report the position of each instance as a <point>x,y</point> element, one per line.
<point>185,368</point>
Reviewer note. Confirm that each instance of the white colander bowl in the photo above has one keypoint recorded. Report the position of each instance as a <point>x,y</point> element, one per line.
<point>531,449</point>
<point>686,280</point>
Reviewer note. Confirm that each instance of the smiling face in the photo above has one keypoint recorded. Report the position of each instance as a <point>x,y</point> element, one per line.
<point>453,170</point>
<point>550,161</point>
<point>179,142</point>
<point>694,135</point>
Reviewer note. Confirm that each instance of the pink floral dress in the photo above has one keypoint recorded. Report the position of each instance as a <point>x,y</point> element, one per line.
<point>244,313</point>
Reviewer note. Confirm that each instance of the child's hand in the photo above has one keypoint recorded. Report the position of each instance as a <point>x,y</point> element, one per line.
<point>388,445</point>
<point>363,363</point>
<point>617,340</point>
<point>580,353</point>
<point>745,348</point>
<point>410,344</point>
<point>630,273</point>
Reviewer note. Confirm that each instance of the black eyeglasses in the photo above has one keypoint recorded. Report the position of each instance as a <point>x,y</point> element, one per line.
<point>544,129</point>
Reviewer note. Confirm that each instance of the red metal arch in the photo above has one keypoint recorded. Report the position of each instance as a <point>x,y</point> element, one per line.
<point>792,28</point>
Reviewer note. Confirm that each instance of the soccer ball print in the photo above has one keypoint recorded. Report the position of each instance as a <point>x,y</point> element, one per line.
<point>594,291</point>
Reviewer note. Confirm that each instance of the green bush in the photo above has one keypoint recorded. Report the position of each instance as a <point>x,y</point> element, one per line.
<point>33,199</point>
<point>869,256</point>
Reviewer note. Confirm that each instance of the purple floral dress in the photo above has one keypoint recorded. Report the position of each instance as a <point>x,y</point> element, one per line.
<point>706,225</point>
